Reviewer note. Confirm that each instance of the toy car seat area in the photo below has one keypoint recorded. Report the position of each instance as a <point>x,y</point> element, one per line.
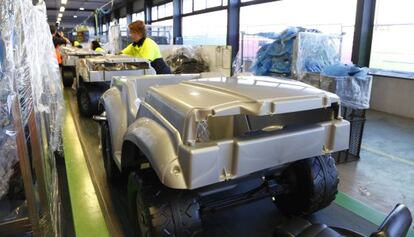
<point>396,224</point>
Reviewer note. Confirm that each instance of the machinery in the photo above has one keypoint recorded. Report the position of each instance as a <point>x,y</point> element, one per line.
<point>94,75</point>
<point>70,56</point>
<point>185,147</point>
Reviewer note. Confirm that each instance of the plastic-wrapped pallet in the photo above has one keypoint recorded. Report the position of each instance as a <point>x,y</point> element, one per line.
<point>312,52</point>
<point>30,87</point>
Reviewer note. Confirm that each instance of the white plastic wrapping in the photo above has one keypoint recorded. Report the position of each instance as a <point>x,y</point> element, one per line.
<point>187,59</point>
<point>29,75</point>
<point>312,52</point>
<point>114,41</point>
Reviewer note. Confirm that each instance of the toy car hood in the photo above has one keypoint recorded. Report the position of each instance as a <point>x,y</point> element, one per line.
<point>241,95</point>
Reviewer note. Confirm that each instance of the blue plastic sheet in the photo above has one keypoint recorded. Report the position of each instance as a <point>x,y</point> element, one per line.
<point>276,57</point>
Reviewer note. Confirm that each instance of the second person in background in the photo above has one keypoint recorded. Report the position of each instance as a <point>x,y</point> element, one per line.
<point>143,47</point>
<point>97,47</point>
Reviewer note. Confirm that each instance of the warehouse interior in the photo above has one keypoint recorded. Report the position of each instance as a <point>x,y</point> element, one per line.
<point>206,118</point>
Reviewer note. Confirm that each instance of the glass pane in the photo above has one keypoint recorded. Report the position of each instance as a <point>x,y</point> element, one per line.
<point>213,3</point>
<point>392,40</point>
<point>123,24</point>
<point>163,23</point>
<point>161,11</point>
<point>187,6</point>
<point>208,29</point>
<point>169,9</point>
<point>328,16</point>
<point>154,13</point>
<point>199,5</point>
<point>104,28</point>
<point>161,31</point>
<point>138,16</point>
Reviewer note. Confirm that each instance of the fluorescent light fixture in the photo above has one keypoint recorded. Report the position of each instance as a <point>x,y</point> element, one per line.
<point>64,1</point>
<point>62,9</point>
<point>60,15</point>
<point>75,16</point>
<point>81,8</point>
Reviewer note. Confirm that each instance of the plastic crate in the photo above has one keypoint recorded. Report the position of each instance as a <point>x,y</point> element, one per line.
<point>356,118</point>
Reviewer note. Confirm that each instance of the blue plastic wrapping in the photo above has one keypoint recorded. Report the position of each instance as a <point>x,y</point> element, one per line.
<point>314,51</point>
<point>351,83</point>
<point>276,57</point>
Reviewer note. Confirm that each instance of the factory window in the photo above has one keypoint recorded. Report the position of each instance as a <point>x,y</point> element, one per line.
<point>392,40</point>
<point>138,16</point>
<point>162,11</point>
<point>124,26</point>
<point>328,16</point>
<point>209,28</point>
<point>198,5</point>
<point>161,31</point>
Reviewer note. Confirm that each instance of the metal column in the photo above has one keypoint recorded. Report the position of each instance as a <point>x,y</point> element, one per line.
<point>233,26</point>
<point>364,24</point>
<point>177,22</point>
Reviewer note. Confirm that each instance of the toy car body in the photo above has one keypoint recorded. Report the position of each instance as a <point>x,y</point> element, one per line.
<point>70,56</point>
<point>94,75</point>
<point>199,136</point>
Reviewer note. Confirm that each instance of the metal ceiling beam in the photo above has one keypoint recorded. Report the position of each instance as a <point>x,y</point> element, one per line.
<point>70,9</point>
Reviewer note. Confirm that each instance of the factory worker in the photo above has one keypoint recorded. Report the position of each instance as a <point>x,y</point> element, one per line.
<point>143,47</point>
<point>97,47</point>
<point>58,40</point>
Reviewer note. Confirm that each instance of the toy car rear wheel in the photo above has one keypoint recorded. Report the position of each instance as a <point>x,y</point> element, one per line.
<point>67,77</point>
<point>87,100</point>
<point>312,185</point>
<point>112,172</point>
<point>160,211</point>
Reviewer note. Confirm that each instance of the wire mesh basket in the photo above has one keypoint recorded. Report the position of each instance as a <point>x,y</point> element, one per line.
<point>356,118</point>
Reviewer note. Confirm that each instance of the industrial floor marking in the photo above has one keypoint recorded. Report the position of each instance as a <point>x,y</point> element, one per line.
<point>87,214</point>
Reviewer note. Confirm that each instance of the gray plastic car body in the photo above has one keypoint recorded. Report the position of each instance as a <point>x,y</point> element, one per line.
<point>96,69</point>
<point>206,131</point>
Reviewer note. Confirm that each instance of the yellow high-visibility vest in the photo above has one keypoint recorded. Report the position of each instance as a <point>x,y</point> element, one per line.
<point>148,50</point>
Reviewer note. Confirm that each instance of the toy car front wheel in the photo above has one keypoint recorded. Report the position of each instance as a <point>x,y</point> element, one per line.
<point>312,185</point>
<point>112,172</point>
<point>160,211</point>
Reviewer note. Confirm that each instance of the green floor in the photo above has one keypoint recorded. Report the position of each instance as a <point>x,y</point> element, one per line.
<point>87,213</point>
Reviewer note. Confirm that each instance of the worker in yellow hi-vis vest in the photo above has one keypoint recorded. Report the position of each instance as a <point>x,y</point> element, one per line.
<point>143,47</point>
<point>96,46</point>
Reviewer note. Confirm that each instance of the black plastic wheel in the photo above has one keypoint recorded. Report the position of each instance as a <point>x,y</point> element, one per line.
<point>113,174</point>
<point>88,98</point>
<point>160,211</point>
<point>312,185</point>
<point>67,77</point>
